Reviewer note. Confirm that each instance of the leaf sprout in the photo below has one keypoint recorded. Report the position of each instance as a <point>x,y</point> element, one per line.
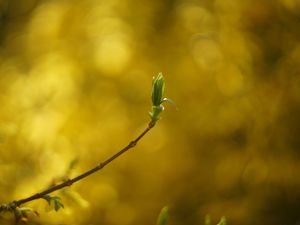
<point>158,89</point>
<point>54,201</point>
<point>163,216</point>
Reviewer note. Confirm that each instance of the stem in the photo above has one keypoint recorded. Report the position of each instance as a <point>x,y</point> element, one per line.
<point>69,182</point>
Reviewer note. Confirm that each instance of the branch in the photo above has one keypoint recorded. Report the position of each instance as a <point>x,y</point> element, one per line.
<point>158,86</point>
<point>13,205</point>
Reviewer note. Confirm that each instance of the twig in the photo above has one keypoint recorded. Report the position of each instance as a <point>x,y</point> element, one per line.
<point>11,206</point>
<point>157,94</point>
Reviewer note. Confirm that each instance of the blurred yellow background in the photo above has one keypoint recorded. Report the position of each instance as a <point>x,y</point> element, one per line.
<point>75,81</point>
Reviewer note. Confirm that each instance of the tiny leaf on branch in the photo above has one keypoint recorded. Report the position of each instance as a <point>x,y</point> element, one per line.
<point>22,213</point>
<point>222,221</point>
<point>163,216</point>
<point>158,89</point>
<point>54,201</point>
<point>157,94</point>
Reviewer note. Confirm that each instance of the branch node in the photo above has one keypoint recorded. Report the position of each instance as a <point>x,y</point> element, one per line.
<point>69,182</point>
<point>132,144</point>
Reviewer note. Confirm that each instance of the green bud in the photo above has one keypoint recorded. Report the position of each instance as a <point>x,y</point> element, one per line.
<point>158,88</point>
<point>154,114</point>
<point>222,221</point>
<point>54,201</point>
<point>163,216</point>
<point>22,213</point>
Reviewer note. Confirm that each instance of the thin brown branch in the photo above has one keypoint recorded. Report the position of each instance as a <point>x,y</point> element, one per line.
<point>69,182</point>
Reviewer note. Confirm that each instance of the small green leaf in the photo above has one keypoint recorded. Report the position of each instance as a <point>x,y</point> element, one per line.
<point>54,201</point>
<point>58,204</point>
<point>18,213</point>
<point>163,216</point>
<point>22,213</point>
<point>48,198</point>
<point>158,88</point>
<point>222,221</point>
